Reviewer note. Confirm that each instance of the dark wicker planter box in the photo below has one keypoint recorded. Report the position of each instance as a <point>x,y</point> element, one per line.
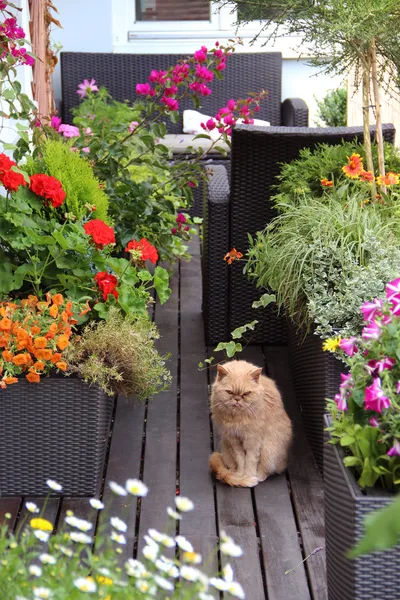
<point>371,577</point>
<point>316,377</point>
<point>57,429</point>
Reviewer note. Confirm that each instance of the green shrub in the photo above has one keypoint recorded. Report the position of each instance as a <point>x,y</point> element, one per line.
<point>332,109</point>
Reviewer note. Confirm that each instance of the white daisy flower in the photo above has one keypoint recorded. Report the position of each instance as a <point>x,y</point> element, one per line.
<point>227,572</point>
<point>192,557</point>
<point>94,503</point>
<point>173,514</point>
<point>53,485</point>
<point>204,596</point>
<point>43,593</point>
<point>150,542</point>
<point>173,571</point>
<point>118,537</point>
<point>47,559</point>
<point>81,538</point>
<point>219,584</point>
<point>43,536</point>
<point>67,551</point>
<point>162,565</point>
<point>118,524</point>
<point>85,584</point>
<point>31,506</point>
<point>224,537</point>
<point>136,487</point>
<point>135,568</point>
<point>235,589</point>
<point>143,585</point>
<point>163,583</point>
<point>117,489</point>
<point>168,541</point>
<point>189,573</point>
<point>183,543</point>
<point>105,572</point>
<point>231,549</point>
<point>183,504</point>
<point>35,570</point>
<point>156,535</point>
<point>150,552</point>
<point>78,523</point>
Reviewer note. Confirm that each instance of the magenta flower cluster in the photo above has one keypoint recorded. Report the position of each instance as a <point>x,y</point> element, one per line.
<point>227,116</point>
<point>180,222</point>
<point>378,379</point>
<point>11,35</point>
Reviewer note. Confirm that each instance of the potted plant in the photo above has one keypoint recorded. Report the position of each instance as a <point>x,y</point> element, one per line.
<point>362,460</point>
<point>329,249</point>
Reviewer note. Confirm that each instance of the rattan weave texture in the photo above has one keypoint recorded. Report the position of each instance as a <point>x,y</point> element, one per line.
<point>55,430</point>
<point>374,576</point>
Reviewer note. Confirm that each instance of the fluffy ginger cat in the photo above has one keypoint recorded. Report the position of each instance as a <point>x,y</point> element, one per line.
<point>254,428</point>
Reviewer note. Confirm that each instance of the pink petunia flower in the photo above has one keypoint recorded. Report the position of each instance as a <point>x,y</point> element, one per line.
<point>392,288</point>
<point>231,105</point>
<point>374,398</point>
<point>341,401</point>
<point>371,332</point>
<point>378,366</point>
<point>69,131</point>
<point>374,422</point>
<point>349,346</point>
<point>55,122</point>
<point>87,86</point>
<point>370,309</point>
<point>395,449</point>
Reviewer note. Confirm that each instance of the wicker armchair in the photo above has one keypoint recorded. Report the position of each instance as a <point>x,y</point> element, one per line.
<point>231,212</point>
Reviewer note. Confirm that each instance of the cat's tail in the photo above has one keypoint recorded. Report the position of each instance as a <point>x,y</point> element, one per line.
<point>218,467</point>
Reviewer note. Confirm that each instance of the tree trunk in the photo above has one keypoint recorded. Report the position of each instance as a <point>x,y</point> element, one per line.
<point>377,102</point>
<point>367,135</point>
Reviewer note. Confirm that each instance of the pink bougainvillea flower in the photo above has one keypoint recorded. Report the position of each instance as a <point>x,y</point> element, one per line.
<point>201,55</point>
<point>374,398</point>
<point>157,76</point>
<point>371,332</point>
<point>210,125</point>
<point>3,4</point>
<point>144,89</point>
<point>203,73</point>
<point>55,122</point>
<point>69,131</point>
<point>374,422</point>
<point>395,449</point>
<point>132,126</point>
<point>349,346</point>
<point>180,72</point>
<point>170,103</point>
<point>231,105</point>
<point>170,91</point>
<point>11,30</point>
<point>378,366</point>
<point>87,86</point>
<point>393,288</point>
<point>370,309</point>
<point>221,66</point>
<point>23,56</point>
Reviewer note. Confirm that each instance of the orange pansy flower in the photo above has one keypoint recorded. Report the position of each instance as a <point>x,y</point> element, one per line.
<point>5,324</point>
<point>53,311</point>
<point>62,342</point>
<point>33,377</point>
<point>58,299</point>
<point>61,365</point>
<point>40,342</point>
<point>7,355</point>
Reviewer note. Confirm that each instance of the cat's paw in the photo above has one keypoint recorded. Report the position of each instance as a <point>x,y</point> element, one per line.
<point>248,482</point>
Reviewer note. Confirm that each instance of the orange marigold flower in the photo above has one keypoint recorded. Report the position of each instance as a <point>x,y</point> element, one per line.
<point>33,377</point>
<point>367,176</point>
<point>62,342</point>
<point>62,365</point>
<point>20,359</point>
<point>7,355</point>
<point>326,183</point>
<point>388,179</point>
<point>58,299</point>
<point>39,365</point>
<point>33,300</point>
<point>233,255</point>
<point>10,380</point>
<point>355,166</point>
<point>5,324</point>
<point>40,342</point>
<point>56,357</point>
<point>35,330</point>
<point>53,311</point>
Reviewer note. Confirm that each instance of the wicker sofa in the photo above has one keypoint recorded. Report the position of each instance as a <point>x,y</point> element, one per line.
<point>246,72</point>
<point>239,205</point>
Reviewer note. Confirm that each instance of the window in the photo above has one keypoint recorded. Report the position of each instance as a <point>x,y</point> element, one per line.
<point>172,10</point>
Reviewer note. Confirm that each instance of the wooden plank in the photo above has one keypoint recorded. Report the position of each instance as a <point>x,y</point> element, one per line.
<point>195,444</point>
<point>305,479</point>
<point>9,506</point>
<point>161,431</point>
<point>124,463</point>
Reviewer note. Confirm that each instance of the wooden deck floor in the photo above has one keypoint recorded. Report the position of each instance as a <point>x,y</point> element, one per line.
<point>167,441</point>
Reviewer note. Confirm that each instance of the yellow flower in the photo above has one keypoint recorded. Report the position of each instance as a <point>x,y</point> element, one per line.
<point>104,580</point>
<point>41,524</point>
<point>331,344</point>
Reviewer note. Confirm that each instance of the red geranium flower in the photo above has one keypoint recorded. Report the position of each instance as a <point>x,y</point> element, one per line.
<point>48,187</point>
<point>12,180</point>
<point>6,163</point>
<point>107,284</point>
<point>147,250</point>
<point>101,233</point>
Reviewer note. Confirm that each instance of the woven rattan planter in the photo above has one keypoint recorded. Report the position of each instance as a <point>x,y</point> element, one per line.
<point>371,577</point>
<point>57,429</point>
<point>316,377</point>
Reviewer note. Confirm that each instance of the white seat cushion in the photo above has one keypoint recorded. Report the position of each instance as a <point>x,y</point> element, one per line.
<point>179,142</point>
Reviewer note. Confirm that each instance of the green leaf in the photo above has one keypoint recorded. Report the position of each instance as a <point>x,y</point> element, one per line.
<point>352,461</point>
<point>131,300</point>
<point>58,236</point>
<point>358,397</point>
<point>382,531</point>
<point>197,220</point>
<point>239,331</point>
<point>231,348</point>
<point>145,275</point>
<point>347,440</point>
<point>200,136</point>
<point>118,265</point>
<point>264,301</point>
<point>161,284</point>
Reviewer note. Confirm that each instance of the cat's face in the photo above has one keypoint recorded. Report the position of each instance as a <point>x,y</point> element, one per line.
<point>237,390</point>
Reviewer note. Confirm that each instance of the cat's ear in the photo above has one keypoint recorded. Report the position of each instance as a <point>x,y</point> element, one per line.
<point>255,375</point>
<point>221,372</point>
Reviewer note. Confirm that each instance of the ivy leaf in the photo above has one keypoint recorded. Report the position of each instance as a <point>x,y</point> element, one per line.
<point>239,331</point>
<point>264,301</point>
<point>161,284</point>
<point>231,348</point>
